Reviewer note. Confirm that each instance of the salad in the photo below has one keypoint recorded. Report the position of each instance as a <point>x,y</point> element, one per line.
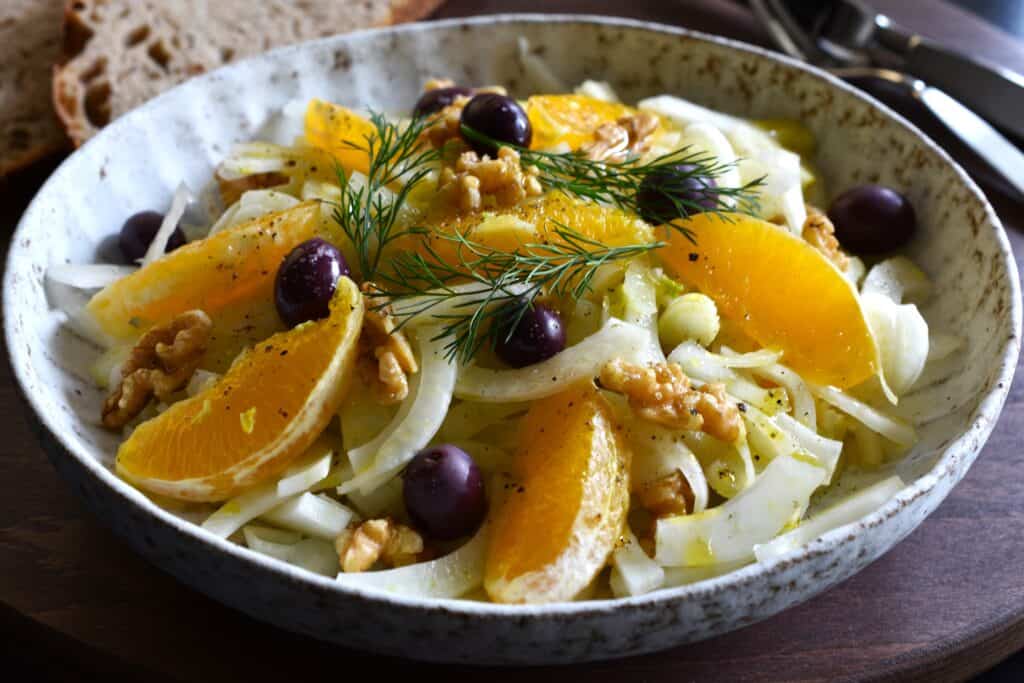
<point>523,351</point>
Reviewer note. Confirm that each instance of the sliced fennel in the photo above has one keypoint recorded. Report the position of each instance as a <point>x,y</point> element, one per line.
<point>728,533</point>
<point>728,467</point>
<point>466,419</point>
<point>311,514</point>
<point>235,513</point>
<point>87,275</point>
<point>898,279</point>
<point>450,576</point>
<point>658,451</point>
<point>707,138</point>
<point>691,316</point>
<point>363,418</point>
<point>614,340</point>
<point>416,423</point>
<point>384,500</point>
<point>598,90</point>
<point>889,427</point>
<point>826,450</point>
<point>847,511</point>
<point>633,572</point>
<point>766,438</point>
<point>700,364</point>
<point>681,576</point>
<point>298,479</point>
<point>180,201</point>
<point>312,554</point>
<point>901,334</point>
<point>683,112</point>
<point>253,204</point>
<point>800,395</point>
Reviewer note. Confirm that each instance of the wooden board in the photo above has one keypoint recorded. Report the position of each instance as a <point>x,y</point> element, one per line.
<point>943,605</point>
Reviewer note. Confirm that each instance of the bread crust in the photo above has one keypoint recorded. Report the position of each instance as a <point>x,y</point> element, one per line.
<point>101,59</point>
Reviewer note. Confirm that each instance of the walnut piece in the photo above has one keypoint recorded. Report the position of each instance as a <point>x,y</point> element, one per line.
<point>161,363</point>
<point>819,232</point>
<point>386,352</point>
<point>662,393</point>
<point>444,126</point>
<point>488,183</point>
<point>666,496</point>
<point>616,141</point>
<point>383,540</point>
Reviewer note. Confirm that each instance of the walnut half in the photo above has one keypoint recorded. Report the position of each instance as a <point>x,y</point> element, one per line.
<point>384,540</point>
<point>819,232</point>
<point>613,141</point>
<point>161,363</point>
<point>662,393</point>
<point>386,355</point>
<point>487,183</point>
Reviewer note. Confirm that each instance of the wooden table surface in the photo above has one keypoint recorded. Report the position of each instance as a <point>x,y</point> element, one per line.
<point>945,604</point>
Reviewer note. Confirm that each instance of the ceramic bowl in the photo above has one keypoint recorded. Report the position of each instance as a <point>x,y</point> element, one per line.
<point>136,163</point>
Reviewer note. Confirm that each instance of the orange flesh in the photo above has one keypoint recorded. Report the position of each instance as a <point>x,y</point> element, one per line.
<point>268,401</point>
<point>232,269</point>
<point>335,129</point>
<point>556,465</point>
<point>569,119</point>
<point>779,291</point>
<point>610,226</point>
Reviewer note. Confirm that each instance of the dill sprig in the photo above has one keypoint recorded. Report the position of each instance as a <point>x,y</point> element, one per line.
<point>368,212</point>
<point>617,183</point>
<point>485,292</point>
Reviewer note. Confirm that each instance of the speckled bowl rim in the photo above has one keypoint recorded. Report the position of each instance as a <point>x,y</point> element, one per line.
<point>980,426</point>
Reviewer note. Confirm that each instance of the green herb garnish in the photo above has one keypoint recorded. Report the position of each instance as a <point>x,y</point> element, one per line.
<point>368,213</point>
<point>617,184</point>
<point>484,292</point>
<point>488,290</point>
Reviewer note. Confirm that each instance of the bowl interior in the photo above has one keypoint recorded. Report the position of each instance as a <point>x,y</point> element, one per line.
<point>137,162</point>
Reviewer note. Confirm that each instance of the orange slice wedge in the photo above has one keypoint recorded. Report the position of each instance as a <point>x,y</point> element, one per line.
<point>534,222</point>
<point>269,408</point>
<point>779,291</point>
<point>335,129</point>
<point>569,119</point>
<point>229,275</point>
<point>555,531</point>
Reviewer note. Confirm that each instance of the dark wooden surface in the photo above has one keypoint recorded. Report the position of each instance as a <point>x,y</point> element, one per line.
<point>946,604</point>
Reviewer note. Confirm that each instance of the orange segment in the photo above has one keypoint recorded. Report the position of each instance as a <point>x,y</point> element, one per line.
<point>335,129</point>
<point>569,119</point>
<point>269,408</point>
<point>607,225</point>
<point>229,270</point>
<point>781,292</point>
<point>555,532</point>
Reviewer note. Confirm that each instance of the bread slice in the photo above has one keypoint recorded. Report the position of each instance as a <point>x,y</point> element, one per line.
<point>119,53</point>
<point>29,45</point>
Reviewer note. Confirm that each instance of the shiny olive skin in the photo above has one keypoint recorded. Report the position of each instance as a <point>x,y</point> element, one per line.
<point>872,219</point>
<point>433,101</point>
<point>138,232</point>
<point>306,280</point>
<point>443,490</point>
<point>673,192</point>
<point>539,335</point>
<point>499,118</point>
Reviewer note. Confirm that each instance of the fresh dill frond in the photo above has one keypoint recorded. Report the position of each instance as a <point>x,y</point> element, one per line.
<point>368,211</point>
<point>618,183</point>
<point>485,292</point>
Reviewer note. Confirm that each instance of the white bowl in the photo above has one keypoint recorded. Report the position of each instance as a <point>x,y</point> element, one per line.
<point>135,164</point>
